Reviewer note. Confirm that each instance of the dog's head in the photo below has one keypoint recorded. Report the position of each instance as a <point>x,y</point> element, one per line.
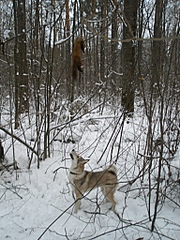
<point>80,42</point>
<point>77,160</point>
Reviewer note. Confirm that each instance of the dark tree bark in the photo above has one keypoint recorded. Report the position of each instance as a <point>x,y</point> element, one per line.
<point>157,44</point>
<point>114,46</point>
<point>102,41</point>
<point>1,153</point>
<point>21,76</point>
<point>71,86</point>
<point>128,54</point>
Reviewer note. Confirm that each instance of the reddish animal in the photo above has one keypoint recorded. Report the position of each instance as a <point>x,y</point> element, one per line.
<point>78,49</point>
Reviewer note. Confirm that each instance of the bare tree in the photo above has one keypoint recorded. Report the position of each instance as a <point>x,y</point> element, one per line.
<point>157,43</point>
<point>128,54</point>
<point>21,74</point>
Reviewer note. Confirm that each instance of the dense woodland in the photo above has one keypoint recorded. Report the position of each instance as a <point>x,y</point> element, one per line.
<point>132,51</point>
<point>131,62</point>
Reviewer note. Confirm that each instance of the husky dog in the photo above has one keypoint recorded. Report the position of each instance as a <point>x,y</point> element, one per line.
<point>83,181</point>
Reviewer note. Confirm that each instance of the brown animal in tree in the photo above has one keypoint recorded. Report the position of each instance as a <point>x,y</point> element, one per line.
<point>78,48</point>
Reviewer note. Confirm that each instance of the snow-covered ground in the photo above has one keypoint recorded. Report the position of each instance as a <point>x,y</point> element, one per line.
<point>38,203</point>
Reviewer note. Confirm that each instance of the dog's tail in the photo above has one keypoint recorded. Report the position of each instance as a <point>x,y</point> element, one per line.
<point>74,70</point>
<point>112,169</point>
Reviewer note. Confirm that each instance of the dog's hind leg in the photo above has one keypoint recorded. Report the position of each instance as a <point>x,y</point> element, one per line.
<point>105,200</point>
<point>109,194</point>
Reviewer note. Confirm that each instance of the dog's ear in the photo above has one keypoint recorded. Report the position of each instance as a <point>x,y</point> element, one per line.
<point>85,160</point>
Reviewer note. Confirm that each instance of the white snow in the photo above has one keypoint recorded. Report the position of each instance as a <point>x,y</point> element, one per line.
<point>38,203</point>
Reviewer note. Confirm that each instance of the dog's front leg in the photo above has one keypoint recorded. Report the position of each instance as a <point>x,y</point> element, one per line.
<point>78,201</point>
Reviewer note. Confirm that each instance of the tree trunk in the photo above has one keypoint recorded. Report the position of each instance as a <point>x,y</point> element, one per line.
<point>114,48</point>
<point>128,54</point>
<point>157,44</point>
<point>21,76</point>
<point>72,83</point>
<point>102,41</point>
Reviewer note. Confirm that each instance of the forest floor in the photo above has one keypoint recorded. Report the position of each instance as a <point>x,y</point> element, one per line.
<point>38,203</point>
